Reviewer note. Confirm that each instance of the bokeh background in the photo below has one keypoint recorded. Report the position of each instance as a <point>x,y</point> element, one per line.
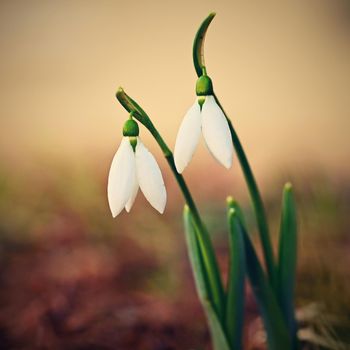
<point>71,277</point>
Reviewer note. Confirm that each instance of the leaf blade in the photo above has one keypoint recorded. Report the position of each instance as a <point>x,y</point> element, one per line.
<point>287,261</point>
<point>277,333</point>
<point>202,284</point>
<point>196,259</point>
<point>236,279</point>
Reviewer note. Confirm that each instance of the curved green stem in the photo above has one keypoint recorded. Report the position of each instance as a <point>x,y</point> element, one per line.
<point>198,44</point>
<point>257,202</point>
<point>209,256</point>
<point>198,60</point>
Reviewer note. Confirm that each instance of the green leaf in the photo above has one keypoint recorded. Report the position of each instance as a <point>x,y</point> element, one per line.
<point>236,279</point>
<point>202,284</point>
<point>276,329</point>
<point>233,204</point>
<point>288,260</point>
<point>277,334</point>
<point>198,44</point>
<point>196,258</point>
<point>216,330</point>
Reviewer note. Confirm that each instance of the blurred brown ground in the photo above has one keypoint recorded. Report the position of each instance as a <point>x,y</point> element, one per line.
<point>71,277</point>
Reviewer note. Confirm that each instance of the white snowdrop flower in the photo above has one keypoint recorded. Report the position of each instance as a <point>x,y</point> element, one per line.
<point>133,166</point>
<point>205,115</point>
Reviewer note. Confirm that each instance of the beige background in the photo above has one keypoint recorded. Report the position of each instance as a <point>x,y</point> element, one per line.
<point>280,68</point>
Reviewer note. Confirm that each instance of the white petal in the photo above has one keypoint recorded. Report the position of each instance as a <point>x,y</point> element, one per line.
<point>187,137</point>
<point>135,189</point>
<point>150,178</point>
<point>123,169</point>
<point>216,132</point>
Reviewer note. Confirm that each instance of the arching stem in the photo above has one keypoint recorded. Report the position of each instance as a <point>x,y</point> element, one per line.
<point>210,261</point>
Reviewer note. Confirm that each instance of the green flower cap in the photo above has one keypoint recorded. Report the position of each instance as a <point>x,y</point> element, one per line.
<point>131,128</point>
<point>204,85</point>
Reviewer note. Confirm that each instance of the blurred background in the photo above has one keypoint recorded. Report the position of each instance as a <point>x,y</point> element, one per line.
<point>71,277</point>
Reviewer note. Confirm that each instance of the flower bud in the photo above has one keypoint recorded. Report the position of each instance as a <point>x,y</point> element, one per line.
<point>204,86</point>
<point>131,128</point>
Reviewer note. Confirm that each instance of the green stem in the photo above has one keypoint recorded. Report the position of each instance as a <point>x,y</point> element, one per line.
<point>199,64</point>
<point>257,202</point>
<point>209,255</point>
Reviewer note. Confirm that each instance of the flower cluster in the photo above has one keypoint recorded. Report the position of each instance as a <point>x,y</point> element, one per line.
<point>133,166</point>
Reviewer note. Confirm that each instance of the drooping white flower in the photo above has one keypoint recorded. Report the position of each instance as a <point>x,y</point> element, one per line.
<point>130,170</point>
<point>211,120</point>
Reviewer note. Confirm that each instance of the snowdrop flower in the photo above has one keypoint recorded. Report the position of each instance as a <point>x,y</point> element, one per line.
<point>205,115</point>
<point>133,166</point>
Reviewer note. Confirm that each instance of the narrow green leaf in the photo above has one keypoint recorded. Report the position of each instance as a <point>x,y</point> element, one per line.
<point>216,330</point>
<point>201,280</point>
<point>233,204</point>
<point>276,329</point>
<point>236,279</point>
<point>210,264</point>
<point>196,258</point>
<point>277,334</point>
<point>198,44</point>
<point>257,202</point>
<point>288,260</point>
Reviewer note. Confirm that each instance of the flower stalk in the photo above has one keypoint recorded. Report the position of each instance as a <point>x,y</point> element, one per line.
<point>215,282</point>
<point>257,201</point>
<point>199,65</point>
